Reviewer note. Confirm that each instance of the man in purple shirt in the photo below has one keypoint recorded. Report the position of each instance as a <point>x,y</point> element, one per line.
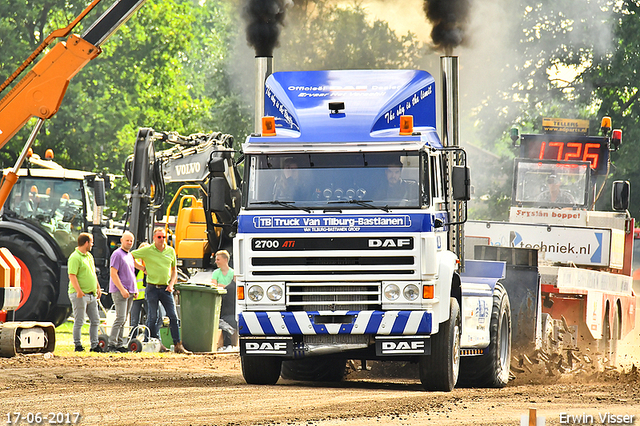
<point>123,289</point>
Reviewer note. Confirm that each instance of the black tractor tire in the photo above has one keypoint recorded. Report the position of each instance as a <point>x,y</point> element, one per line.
<point>314,369</point>
<point>261,370</point>
<point>491,369</point>
<point>439,371</point>
<point>59,314</point>
<point>40,274</point>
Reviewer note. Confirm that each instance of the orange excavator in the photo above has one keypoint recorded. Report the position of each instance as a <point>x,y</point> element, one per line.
<point>38,94</point>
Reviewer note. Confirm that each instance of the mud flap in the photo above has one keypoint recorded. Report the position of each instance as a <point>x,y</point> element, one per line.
<point>403,345</point>
<point>266,346</point>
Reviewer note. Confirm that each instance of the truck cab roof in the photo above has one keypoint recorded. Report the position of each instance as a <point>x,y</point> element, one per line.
<point>351,106</point>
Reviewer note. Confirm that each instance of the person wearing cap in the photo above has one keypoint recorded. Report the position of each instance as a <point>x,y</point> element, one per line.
<point>84,292</point>
<point>554,193</point>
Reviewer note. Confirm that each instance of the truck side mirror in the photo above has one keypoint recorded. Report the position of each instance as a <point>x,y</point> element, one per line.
<point>461,183</point>
<point>99,191</point>
<point>620,195</point>
<point>217,193</point>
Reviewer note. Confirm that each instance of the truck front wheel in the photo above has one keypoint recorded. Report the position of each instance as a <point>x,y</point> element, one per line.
<point>439,371</point>
<point>491,369</point>
<point>261,370</point>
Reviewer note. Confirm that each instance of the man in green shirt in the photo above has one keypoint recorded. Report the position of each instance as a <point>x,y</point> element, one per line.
<point>160,266</point>
<point>84,292</point>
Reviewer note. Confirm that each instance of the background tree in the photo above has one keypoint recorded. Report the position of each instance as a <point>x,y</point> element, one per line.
<point>150,74</point>
<point>567,59</point>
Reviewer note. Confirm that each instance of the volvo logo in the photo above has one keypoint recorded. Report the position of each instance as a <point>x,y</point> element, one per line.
<point>390,242</point>
<point>188,168</point>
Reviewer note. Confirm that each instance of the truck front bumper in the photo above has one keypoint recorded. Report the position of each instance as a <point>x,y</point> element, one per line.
<point>405,323</point>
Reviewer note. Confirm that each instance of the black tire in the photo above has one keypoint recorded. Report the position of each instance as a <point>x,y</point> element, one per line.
<point>314,369</point>
<point>103,342</point>
<point>59,315</point>
<point>135,345</point>
<point>39,275</point>
<point>261,370</point>
<point>491,369</point>
<point>439,371</point>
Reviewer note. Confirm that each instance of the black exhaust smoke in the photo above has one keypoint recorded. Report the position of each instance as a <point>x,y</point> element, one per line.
<point>449,19</point>
<point>264,19</point>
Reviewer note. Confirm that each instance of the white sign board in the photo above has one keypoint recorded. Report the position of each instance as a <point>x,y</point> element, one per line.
<point>581,246</point>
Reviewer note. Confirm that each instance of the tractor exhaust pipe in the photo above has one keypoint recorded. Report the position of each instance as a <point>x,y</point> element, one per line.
<point>264,68</point>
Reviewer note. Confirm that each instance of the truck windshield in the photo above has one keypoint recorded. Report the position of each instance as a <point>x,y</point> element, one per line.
<point>334,180</point>
<point>551,184</point>
<point>53,204</point>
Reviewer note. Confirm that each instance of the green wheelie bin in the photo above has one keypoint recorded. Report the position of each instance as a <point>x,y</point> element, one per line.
<point>200,314</point>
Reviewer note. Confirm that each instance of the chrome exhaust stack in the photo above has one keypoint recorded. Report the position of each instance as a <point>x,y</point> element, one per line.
<point>264,68</point>
<point>449,80</point>
<point>451,139</point>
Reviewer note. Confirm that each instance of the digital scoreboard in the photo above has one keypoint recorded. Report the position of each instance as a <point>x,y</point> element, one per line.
<point>594,149</point>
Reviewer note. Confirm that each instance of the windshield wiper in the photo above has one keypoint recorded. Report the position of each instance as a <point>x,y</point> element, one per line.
<point>363,203</point>
<point>287,204</point>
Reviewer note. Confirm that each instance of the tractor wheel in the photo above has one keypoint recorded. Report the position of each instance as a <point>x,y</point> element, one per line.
<point>59,315</point>
<point>439,371</point>
<point>38,279</point>
<point>261,370</point>
<point>314,369</point>
<point>491,369</point>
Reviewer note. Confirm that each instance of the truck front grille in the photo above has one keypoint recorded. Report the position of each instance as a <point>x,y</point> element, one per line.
<point>340,265</point>
<point>333,296</point>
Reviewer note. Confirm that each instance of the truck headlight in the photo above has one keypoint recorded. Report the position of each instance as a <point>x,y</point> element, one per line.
<point>392,292</point>
<point>274,293</point>
<point>411,292</point>
<point>255,293</point>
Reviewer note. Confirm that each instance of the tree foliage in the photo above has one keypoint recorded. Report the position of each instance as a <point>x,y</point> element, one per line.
<point>321,35</point>
<point>165,69</point>
<point>594,43</point>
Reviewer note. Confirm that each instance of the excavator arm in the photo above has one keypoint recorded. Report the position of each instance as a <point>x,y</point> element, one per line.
<point>40,92</point>
<point>204,161</point>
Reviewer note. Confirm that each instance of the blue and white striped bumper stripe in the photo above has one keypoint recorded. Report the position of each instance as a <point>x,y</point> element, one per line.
<point>365,322</point>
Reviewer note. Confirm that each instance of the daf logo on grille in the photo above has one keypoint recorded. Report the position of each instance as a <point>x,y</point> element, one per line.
<point>390,242</point>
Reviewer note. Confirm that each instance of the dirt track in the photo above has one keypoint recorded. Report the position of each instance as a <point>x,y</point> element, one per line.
<point>152,389</point>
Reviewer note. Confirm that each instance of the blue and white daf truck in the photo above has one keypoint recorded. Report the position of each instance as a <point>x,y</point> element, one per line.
<point>348,233</point>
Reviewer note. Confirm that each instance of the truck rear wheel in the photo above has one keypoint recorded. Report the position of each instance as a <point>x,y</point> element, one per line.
<point>38,279</point>
<point>439,371</point>
<point>491,369</point>
<point>314,369</point>
<point>261,370</point>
